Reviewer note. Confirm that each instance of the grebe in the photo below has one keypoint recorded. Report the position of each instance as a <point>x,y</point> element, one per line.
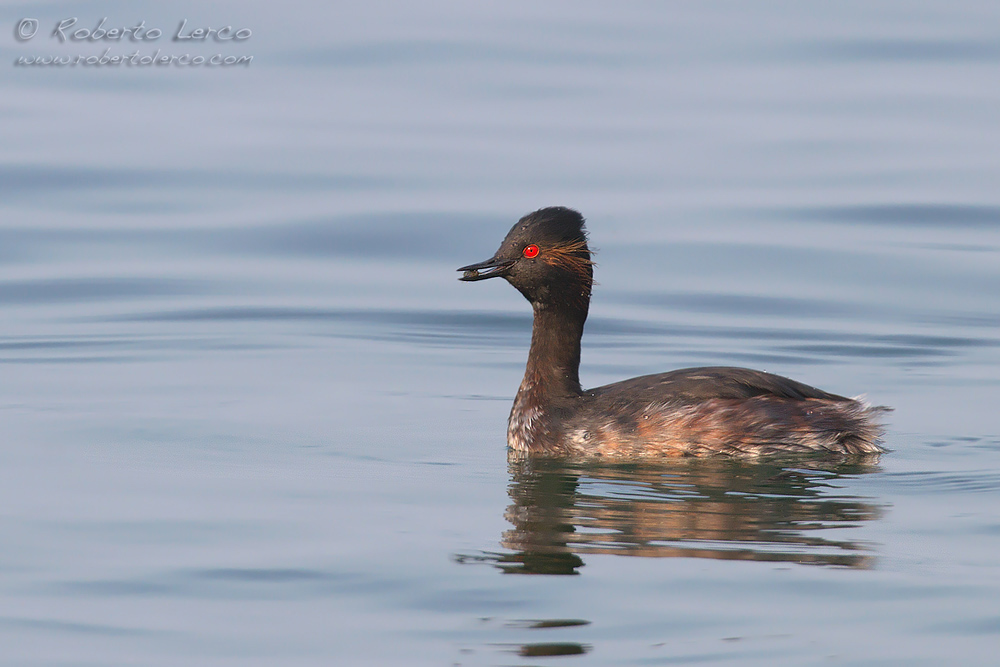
<point>689,412</point>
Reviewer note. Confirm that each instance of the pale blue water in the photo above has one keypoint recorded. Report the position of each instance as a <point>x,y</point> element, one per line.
<point>250,416</point>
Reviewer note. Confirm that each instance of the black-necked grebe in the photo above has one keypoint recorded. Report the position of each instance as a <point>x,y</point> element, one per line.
<point>689,412</point>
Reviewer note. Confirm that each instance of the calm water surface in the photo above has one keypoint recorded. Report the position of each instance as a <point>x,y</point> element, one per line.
<point>250,416</point>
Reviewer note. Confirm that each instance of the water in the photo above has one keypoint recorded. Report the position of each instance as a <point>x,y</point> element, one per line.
<point>251,417</point>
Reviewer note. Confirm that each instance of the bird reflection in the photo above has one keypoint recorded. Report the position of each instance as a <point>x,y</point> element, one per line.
<point>698,508</point>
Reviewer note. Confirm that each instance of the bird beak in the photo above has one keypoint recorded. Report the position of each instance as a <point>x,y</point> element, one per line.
<point>491,268</point>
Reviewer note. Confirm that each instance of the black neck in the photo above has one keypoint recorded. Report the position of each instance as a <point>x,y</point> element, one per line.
<point>554,358</point>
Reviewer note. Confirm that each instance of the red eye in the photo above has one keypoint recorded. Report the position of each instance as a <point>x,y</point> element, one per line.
<point>531,251</point>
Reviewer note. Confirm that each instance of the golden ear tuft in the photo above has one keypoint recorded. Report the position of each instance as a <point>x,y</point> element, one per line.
<point>573,257</point>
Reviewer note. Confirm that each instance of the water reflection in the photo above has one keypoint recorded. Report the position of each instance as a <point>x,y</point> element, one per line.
<point>726,510</point>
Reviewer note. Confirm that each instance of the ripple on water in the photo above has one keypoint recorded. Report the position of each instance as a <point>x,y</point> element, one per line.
<point>956,482</point>
<point>230,583</point>
<point>82,289</point>
<point>929,215</point>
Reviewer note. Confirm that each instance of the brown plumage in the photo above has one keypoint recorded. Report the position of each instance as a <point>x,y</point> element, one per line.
<point>690,412</point>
